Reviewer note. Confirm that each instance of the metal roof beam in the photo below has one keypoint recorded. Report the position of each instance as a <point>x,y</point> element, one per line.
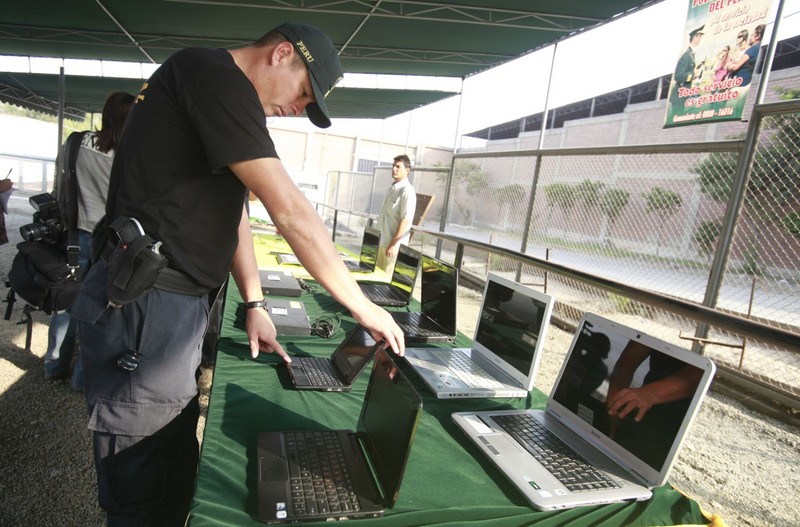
<point>27,99</point>
<point>414,10</point>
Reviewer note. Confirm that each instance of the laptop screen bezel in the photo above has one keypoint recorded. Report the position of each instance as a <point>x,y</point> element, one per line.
<point>364,257</point>
<point>385,369</point>
<point>347,369</point>
<point>649,476</point>
<point>405,250</point>
<point>522,379</point>
<point>428,261</point>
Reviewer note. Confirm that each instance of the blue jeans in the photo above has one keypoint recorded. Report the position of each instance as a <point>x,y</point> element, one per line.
<point>61,335</point>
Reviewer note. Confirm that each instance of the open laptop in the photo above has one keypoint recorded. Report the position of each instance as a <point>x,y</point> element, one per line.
<point>337,372</point>
<point>371,460</point>
<point>436,322</point>
<point>505,352</point>
<point>397,293</point>
<point>364,264</point>
<point>369,252</point>
<point>279,283</point>
<point>605,363</point>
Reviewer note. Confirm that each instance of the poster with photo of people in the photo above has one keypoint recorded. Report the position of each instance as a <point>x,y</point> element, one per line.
<point>715,66</point>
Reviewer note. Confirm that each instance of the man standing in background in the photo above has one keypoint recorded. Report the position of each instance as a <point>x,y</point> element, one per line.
<point>397,214</point>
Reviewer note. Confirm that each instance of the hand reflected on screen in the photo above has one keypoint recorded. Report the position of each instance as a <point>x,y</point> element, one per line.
<point>383,360</point>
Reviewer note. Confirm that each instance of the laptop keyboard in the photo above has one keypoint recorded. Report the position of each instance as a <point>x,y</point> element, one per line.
<point>382,293</point>
<point>561,460</point>
<point>320,371</point>
<point>318,476</point>
<point>467,371</point>
<point>418,325</point>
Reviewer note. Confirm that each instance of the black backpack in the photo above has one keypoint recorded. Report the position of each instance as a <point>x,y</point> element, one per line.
<point>45,272</point>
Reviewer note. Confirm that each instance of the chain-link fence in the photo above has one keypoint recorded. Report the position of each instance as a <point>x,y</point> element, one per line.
<point>651,220</point>
<point>649,217</point>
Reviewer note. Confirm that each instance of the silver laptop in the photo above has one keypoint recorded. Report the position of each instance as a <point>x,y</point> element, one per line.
<point>603,458</point>
<point>505,351</point>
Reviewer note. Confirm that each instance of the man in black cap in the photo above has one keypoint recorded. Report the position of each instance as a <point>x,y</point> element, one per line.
<point>686,69</point>
<point>195,142</point>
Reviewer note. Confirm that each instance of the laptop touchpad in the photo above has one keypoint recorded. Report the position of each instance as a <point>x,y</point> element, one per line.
<point>500,445</point>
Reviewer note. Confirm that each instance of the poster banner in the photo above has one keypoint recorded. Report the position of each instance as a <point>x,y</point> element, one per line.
<point>722,40</point>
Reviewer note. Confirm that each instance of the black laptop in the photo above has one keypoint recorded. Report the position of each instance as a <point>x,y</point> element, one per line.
<point>436,322</point>
<point>325,475</point>
<point>397,293</point>
<point>337,372</point>
<point>369,252</point>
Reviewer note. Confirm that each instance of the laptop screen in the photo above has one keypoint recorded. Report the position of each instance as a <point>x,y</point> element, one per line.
<point>510,323</point>
<point>439,283</point>
<point>611,368</point>
<point>369,247</point>
<point>388,422</point>
<point>405,270</point>
<point>353,354</point>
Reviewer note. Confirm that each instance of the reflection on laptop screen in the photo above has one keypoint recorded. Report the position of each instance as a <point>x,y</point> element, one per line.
<point>510,324</point>
<point>369,247</point>
<point>601,371</point>
<point>439,291</point>
<point>388,422</point>
<point>405,270</point>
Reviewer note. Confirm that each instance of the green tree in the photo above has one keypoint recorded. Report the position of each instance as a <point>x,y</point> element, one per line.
<point>705,237</point>
<point>664,203</point>
<point>791,223</point>
<point>588,193</point>
<point>508,197</point>
<point>560,196</point>
<point>470,180</point>
<point>612,203</point>
<point>772,187</point>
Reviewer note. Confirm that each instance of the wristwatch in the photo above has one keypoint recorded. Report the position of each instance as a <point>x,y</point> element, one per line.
<point>255,304</point>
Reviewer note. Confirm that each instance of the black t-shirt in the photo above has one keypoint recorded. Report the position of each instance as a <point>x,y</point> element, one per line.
<point>197,114</point>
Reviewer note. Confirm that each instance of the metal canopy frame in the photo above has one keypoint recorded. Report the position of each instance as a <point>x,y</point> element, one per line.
<point>405,37</point>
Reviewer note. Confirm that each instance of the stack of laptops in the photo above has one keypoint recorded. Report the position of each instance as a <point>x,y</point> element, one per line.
<point>610,448</point>
<point>397,293</point>
<point>279,283</point>
<point>342,474</point>
<point>369,252</point>
<point>337,372</point>
<point>505,352</point>
<point>436,322</point>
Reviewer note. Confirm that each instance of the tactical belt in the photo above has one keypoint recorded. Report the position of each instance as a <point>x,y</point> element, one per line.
<point>168,279</point>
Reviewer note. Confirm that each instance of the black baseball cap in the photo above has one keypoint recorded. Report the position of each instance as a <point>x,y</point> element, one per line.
<point>323,64</point>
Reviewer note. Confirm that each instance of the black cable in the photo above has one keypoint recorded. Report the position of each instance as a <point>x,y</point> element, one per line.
<point>326,326</point>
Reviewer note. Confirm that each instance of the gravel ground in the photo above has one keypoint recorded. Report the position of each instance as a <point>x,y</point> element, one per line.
<point>736,463</point>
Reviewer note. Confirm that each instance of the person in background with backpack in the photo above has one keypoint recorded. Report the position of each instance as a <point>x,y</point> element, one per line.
<point>92,169</point>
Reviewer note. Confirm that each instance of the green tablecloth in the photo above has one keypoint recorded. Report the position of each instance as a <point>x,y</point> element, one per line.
<point>447,481</point>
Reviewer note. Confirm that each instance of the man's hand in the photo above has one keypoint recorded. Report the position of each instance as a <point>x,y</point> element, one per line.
<point>629,399</point>
<point>382,326</point>
<point>261,333</point>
